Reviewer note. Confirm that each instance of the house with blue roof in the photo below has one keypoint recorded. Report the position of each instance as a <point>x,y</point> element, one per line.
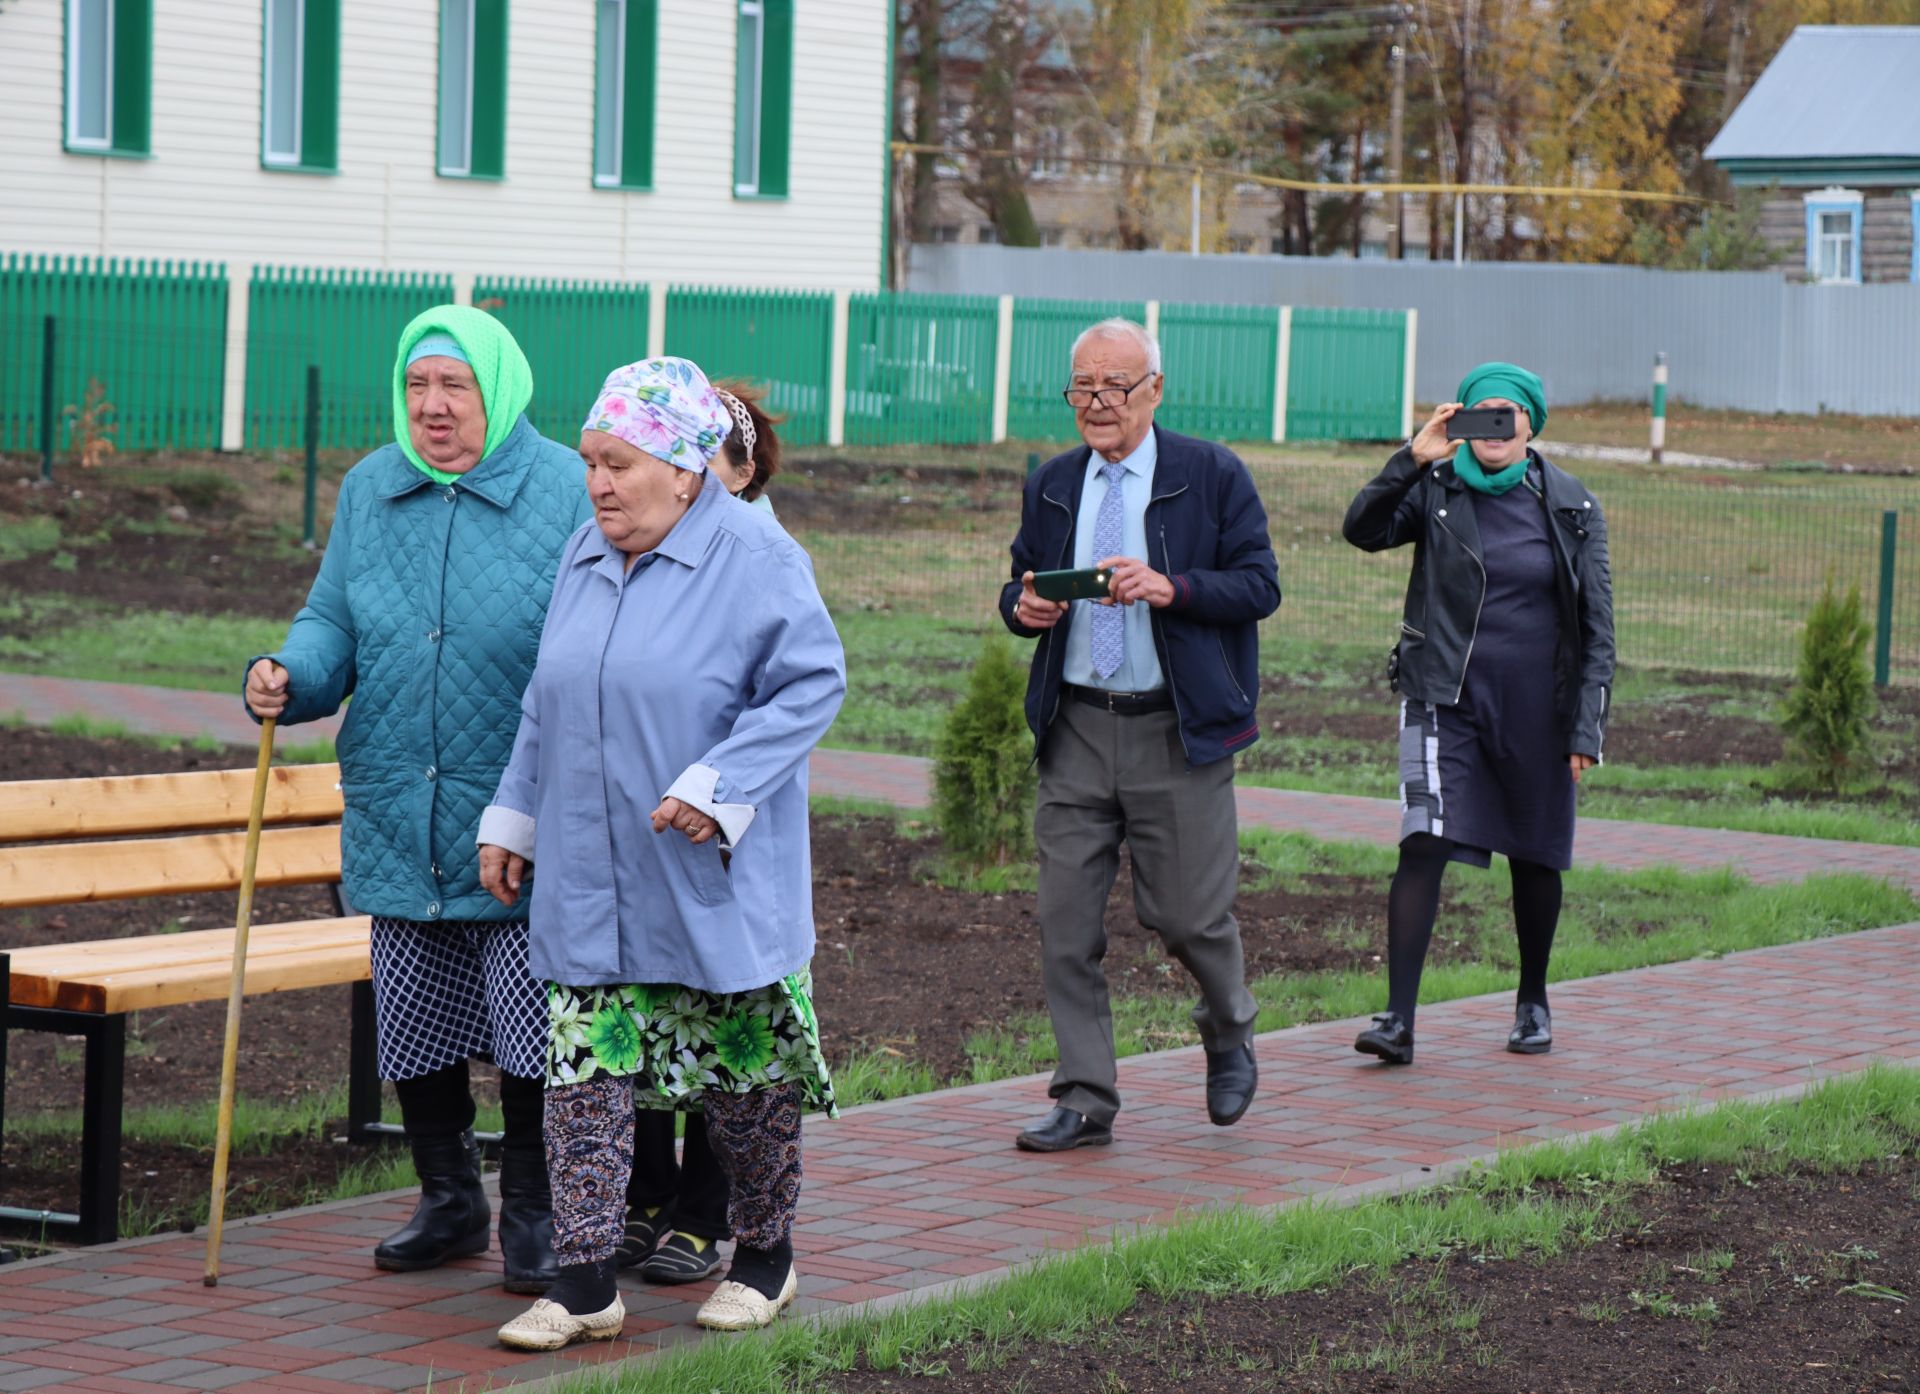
<point>1831,130</point>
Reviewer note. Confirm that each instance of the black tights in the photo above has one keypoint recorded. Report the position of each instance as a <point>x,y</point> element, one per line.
<point>1414,901</point>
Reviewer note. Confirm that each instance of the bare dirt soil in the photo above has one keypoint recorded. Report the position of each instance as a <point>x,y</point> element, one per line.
<point>1721,1281</point>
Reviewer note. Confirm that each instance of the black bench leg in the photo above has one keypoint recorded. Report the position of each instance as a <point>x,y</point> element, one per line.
<point>6,1027</point>
<point>363,1075</point>
<point>100,1130</point>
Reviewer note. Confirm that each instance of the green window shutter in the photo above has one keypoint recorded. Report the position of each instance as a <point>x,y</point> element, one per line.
<point>133,76</point>
<point>776,97</point>
<point>320,86</point>
<point>636,121</point>
<point>488,158</point>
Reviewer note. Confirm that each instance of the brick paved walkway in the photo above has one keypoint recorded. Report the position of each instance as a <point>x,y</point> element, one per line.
<point>929,1192</point>
<point>904,780</point>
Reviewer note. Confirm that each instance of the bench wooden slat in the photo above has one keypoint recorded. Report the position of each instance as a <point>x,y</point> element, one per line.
<point>77,872</point>
<point>123,975</point>
<point>45,809</point>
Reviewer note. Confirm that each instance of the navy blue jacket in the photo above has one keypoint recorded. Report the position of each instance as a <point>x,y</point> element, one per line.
<point>1207,532</point>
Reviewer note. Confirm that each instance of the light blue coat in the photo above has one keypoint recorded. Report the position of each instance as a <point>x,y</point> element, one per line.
<point>427,612</point>
<point>707,672</point>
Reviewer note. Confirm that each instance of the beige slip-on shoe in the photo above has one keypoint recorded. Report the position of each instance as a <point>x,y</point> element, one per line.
<point>737,1307</point>
<point>548,1326</point>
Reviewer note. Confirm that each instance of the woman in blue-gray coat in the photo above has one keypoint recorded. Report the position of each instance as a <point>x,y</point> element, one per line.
<point>427,611</point>
<point>658,783</point>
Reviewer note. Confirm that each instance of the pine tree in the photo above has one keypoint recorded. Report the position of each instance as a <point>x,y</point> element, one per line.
<point>1826,713</point>
<point>983,777</point>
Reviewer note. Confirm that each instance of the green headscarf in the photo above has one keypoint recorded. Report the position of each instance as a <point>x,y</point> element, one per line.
<point>1516,384</point>
<point>501,369</point>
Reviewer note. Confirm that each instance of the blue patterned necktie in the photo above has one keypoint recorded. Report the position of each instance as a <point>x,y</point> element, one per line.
<point>1109,634</point>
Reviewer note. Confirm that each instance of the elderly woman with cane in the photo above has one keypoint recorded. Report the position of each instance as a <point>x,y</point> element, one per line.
<point>1505,672</point>
<point>658,783</point>
<point>427,612</point>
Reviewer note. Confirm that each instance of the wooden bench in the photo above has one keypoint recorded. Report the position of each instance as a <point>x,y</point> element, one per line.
<point>71,841</point>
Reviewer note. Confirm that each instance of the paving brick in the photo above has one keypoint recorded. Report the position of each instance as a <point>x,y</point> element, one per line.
<point>367,1373</point>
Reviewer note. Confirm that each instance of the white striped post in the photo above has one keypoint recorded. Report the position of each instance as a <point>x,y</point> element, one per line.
<point>1153,318</point>
<point>1282,363</point>
<point>1659,426</point>
<point>656,319</point>
<point>233,379</point>
<point>837,369</point>
<point>1406,376</point>
<point>1002,369</point>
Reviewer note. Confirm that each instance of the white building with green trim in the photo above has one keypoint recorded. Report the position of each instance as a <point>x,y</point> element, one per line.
<point>732,141</point>
<point>1831,132</point>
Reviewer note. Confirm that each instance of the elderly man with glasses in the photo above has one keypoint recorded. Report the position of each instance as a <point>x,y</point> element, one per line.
<point>1137,701</point>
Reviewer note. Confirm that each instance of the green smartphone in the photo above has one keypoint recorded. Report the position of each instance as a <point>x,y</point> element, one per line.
<point>1087,584</point>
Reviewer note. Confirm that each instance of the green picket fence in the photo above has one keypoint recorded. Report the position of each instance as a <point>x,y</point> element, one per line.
<point>1043,335</point>
<point>574,333</point>
<point>779,340</point>
<point>1345,374</point>
<point>920,368</point>
<point>152,334</point>
<point>348,324</point>
<point>1220,362</point>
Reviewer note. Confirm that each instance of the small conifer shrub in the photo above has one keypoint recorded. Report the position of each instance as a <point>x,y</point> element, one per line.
<point>1826,713</point>
<point>983,777</point>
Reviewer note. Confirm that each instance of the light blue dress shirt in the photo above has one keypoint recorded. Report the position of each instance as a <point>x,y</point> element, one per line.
<point>707,672</point>
<point>1139,670</point>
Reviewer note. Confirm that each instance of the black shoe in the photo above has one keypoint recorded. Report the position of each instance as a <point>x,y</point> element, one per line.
<point>1232,1077</point>
<point>526,1221</point>
<point>1063,1129</point>
<point>1390,1038</point>
<point>452,1218</point>
<point>1532,1032</point>
<point>682,1258</point>
<point>645,1226</point>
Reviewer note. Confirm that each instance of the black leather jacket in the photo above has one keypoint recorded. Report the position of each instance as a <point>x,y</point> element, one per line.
<point>1434,510</point>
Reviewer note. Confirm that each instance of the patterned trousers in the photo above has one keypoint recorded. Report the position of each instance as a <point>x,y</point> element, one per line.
<point>755,1137</point>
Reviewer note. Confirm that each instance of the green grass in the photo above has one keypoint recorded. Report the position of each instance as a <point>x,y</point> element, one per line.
<point>76,639</point>
<point>1612,921</point>
<point>21,538</point>
<point>1533,1202</point>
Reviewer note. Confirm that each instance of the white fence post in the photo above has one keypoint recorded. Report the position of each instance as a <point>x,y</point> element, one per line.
<point>463,282</point>
<point>1153,318</point>
<point>1406,385</point>
<point>1002,369</point>
<point>233,376</point>
<point>837,371</point>
<point>656,319</point>
<point>1282,359</point>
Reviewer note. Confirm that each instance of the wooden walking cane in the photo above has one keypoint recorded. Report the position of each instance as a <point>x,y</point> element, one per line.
<point>236,992</point>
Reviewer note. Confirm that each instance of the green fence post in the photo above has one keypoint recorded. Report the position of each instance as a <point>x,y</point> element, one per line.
<point>1883,630</point>
<point>46,405</point>
<point>313,456</point>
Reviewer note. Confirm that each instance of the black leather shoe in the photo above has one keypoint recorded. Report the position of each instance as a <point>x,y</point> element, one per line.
<point>1232,1077</point>
<point>526,1221</point>
<point>1532,1032</point>
<point>1061,1130</point>
<point>1390,1038</point>
<point>452,1218</point>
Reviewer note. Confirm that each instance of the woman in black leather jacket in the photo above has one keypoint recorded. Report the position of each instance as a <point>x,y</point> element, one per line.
<point>1505,672</point>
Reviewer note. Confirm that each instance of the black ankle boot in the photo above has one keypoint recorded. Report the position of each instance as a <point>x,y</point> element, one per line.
<point>452,1218</point>
<point>526,1220</point>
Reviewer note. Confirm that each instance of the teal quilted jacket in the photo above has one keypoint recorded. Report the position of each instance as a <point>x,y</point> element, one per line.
<point>427,612</point>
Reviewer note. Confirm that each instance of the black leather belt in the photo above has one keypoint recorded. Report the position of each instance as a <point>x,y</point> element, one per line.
<point>1121,703</point>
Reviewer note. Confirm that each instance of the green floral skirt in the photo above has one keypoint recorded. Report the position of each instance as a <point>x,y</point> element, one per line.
<point>679,1042</point>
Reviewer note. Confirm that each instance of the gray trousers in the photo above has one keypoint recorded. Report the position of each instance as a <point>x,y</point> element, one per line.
<point>1105,779</point>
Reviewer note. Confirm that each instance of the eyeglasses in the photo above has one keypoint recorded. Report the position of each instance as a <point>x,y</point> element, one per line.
<point>1079,398</point>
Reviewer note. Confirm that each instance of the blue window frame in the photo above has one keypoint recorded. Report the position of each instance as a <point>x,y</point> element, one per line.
<point>1833,236</point>
<point>1913,202</point>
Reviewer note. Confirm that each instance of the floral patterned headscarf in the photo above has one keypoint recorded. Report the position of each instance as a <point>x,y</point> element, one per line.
<point>666,407</point>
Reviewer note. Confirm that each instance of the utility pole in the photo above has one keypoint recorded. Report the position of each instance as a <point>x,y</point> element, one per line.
<point>1736,58</point>
<point>1396,133</point>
